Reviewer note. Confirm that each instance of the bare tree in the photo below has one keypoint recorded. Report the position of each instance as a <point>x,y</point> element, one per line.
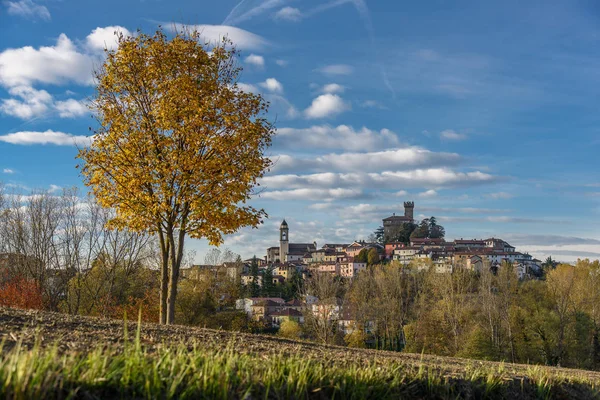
<point>321,318</point>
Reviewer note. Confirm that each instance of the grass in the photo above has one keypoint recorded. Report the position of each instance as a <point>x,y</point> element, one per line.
<point>200,371</point>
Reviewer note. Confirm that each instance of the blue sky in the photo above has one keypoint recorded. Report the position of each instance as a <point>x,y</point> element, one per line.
<point>484,113</point>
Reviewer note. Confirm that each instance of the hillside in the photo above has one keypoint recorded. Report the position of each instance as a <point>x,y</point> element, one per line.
<point>254,365</point>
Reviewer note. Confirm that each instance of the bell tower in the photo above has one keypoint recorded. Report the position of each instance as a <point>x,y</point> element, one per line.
<point>284,242</point>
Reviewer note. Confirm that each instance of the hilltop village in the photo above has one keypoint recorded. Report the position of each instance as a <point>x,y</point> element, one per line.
<point>343,259</point>
<point>346,260</point>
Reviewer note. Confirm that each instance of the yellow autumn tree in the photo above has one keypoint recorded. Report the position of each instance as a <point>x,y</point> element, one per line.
<point>179,148</point>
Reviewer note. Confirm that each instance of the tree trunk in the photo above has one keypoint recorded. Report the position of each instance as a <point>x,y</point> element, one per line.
<point>176,258</point>
<point>164,276</point>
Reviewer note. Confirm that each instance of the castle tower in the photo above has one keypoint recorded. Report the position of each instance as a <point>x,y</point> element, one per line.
<point>409,207</point>
<point>284,242</point>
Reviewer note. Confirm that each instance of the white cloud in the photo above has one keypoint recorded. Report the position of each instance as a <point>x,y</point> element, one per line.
<point>502,219</point>
<point>54,189</point>
<point>247,87</point>
<point>57,64</point>
<point>272,85</point>
<point>463,210</point>
<point>71,108</point>
<point>47,137</point>
<point>428,194</point>
<point>279,105</point>
<point>313,194</point>
<point>500,195</point>
<point>372,104</point>
<point>401,193</point>
<point>333,88</point>
<point>396,159</point>
<point>342,137</point>
<point>255,60</point>
<point>321,206</point>
<point>289,14</point>
<point>450,134</point>
<point>8,171</point>
<point>32,103</point>
<point>241,38</point>
<point>27,9</point>
<point>430,177</point>
<point>282,63</point>
<point>549,240</point>
<point>326,105</point>
<point>105,37</point>
<point>247,10</point>
<point>336,69</point>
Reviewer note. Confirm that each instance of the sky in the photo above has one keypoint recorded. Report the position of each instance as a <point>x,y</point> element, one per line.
<point>483,113</point>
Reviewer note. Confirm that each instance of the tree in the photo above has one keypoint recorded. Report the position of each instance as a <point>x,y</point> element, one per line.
<point>19,292</point>
<point>379,235</point>
<point>561,284</point>
<point>404,233</point>
<point>437,231</point>
<point>290,329</point>
<point>179,148</point>
<point>363,256</point>
<point>253,286</point>
<point>428,228</point>
<point>268,287</point>
<point>321,318</point>
<point>293,285</point>
<point>357,338</point>
<point>373,256</point>
<point>549,264</point>
<point>422,231</point>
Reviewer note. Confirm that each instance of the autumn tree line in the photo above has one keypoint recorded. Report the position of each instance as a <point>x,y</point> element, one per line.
<point>489,315</point>
<point>57,254</point>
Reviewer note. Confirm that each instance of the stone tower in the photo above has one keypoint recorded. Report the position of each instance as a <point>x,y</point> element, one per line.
<point>409,207</point>
<point>284,242</point>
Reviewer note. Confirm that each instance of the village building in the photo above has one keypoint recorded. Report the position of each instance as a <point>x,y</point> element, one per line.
<point>393,224</point>
<point>288,252</point>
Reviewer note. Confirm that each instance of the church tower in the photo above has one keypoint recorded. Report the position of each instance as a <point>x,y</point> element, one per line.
<point>284,242</point>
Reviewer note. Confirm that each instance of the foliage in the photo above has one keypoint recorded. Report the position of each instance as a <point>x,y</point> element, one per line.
<point>373,257</point>
<point>403,234</point>
<point>253,286</point>
<point>357,338</point>
<point>268,287</point>
<point>362,256</point>
<point>292,287</point>
<point>379,235</point>
<point>148,305</point>
<point>108,290</point>
<point>19,292</point>
<point>290,329</point>
<point>428,228</point>
<point>179,146</point>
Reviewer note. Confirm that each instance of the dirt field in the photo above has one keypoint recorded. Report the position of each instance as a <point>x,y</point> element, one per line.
<point>75,333</point>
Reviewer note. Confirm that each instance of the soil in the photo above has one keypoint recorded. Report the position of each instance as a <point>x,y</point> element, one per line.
<point>77,333</point>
